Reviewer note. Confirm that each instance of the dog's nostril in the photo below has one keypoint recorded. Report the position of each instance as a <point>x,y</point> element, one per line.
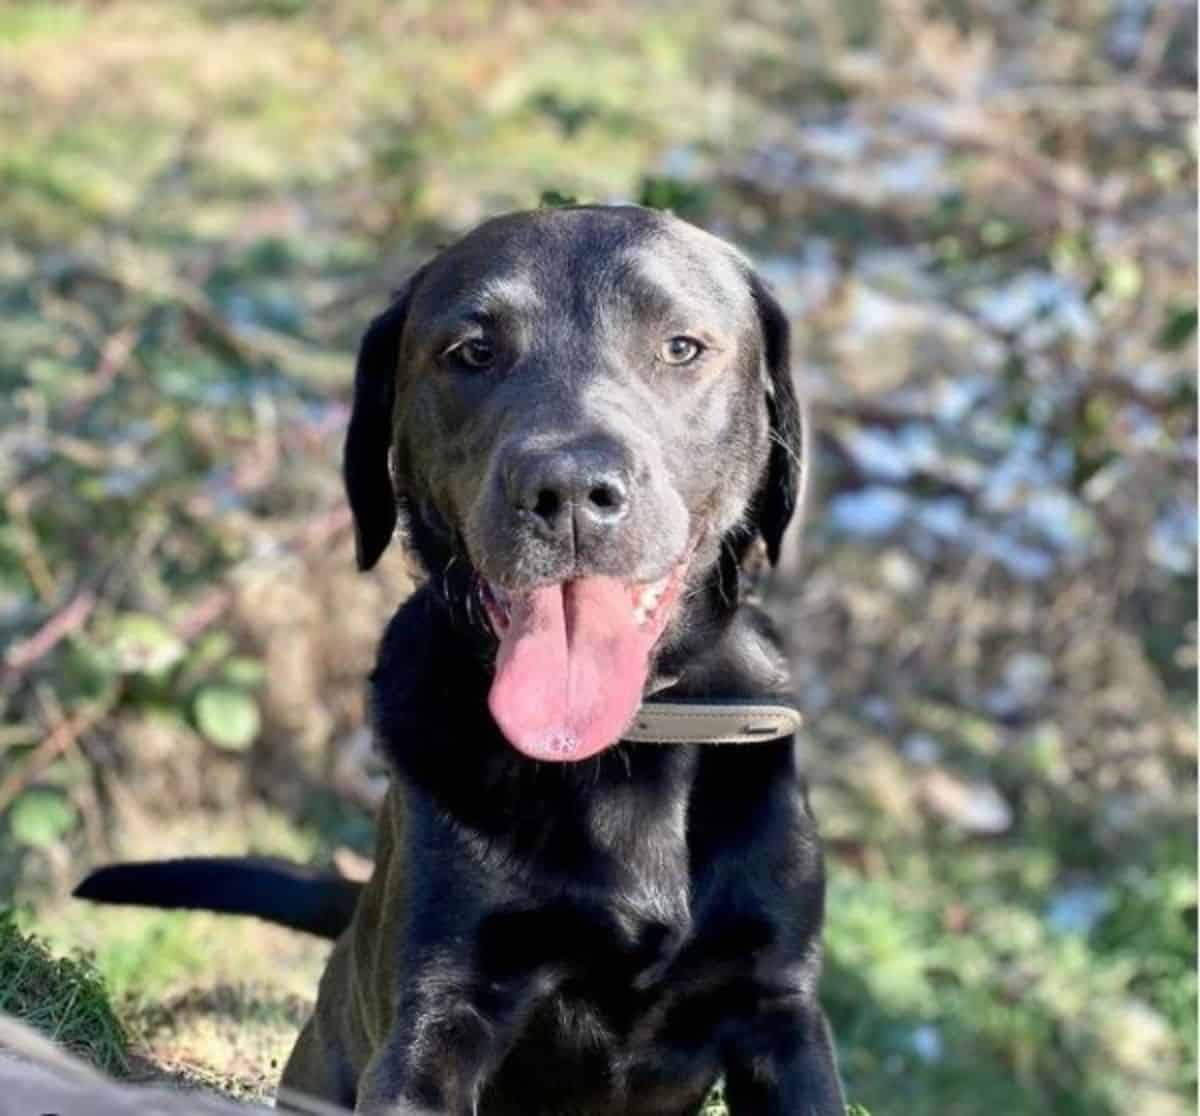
<point>547,504</point>
<point>605,497</point>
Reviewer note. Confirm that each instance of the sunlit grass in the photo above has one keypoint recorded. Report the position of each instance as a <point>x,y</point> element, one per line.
<point>64,998</point>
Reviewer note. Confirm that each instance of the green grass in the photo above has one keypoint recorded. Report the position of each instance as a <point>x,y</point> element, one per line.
<point>63,997</point>
<point>21,23</point>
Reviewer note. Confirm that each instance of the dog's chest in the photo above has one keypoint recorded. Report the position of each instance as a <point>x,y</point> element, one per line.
<point>639,965</point>
<point>630,1021</point>
<point>616,934</point>
<point>603,889</point>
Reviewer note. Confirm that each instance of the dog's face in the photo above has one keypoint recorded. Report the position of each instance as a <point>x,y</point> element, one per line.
<point>583,406</point>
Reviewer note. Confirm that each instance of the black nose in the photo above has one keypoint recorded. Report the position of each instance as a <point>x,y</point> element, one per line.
<point>583,489</point>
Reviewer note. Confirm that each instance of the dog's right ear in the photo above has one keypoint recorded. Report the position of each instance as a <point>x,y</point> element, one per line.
<point>365,465</point>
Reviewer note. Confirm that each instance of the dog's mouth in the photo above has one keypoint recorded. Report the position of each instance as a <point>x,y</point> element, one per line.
<point>574,658</point>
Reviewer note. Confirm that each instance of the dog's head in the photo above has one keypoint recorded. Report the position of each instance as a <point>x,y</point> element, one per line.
<point>590,411</point>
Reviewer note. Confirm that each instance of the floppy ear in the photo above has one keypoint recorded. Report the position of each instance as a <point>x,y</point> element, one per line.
<point>365,466</point>
<point>783,485</point>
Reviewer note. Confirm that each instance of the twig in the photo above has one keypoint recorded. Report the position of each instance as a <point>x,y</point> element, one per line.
<point>204,614</point>
<point>1069,182</point>
<point>41,576</point>
<point>317,531</point>
<point>18,734</point>
<point>70,618</point>
<point>247,346</point>
<point>1117,98</point>
<point>114,355</point>
<point>64,733</point>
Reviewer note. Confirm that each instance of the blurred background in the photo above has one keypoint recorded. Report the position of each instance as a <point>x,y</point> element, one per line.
<point>981,216</point>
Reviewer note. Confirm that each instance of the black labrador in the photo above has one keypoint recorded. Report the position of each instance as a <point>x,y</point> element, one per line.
<point>587,420</point>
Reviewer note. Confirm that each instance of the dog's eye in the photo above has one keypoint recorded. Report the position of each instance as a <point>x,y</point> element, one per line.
<point>680,350</point>
<point>475,352</point>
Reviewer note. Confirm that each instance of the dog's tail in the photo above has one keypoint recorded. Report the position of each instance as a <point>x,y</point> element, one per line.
<point>316,902</point>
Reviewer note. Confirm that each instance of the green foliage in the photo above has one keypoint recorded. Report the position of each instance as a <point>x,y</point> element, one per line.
<point>228,716</point>
<point>685,199</point>
<point>43,18</point>
<point>1026,1007</point>
<point>551,199</point>
<point>149,957</point>
<point>1150,931</point>
<point>62,997</point>
<point>1179,326</point>
<point>41,817</point>
<point>141,644</point>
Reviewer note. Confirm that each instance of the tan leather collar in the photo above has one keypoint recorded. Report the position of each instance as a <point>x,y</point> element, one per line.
<point>707,722</point>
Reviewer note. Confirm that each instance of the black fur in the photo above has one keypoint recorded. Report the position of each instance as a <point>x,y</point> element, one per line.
<point>270,889</point>
<point>783,486</point>
<point>365,463</point>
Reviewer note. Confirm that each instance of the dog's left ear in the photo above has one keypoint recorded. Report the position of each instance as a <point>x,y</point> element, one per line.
<point>783,485</point>
<point>365,458</point>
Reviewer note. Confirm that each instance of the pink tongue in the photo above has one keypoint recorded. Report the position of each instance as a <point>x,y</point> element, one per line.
<point>571,669</point>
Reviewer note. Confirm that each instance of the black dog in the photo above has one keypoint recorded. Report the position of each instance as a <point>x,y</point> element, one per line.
<point>587,418</point>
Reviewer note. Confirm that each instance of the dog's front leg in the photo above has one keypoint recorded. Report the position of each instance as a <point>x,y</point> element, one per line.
<point>435,1068</point>
<point>782,1064</point>
<point>443,1046</point>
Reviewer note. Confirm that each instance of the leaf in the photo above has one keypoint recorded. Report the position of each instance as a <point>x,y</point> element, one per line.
<point>227,716</point>
<point>1178,328</point>
<point>552,199</point>
<point>1123,278</point>
<point>676,195</point>
<point>143,644</point>
<point>41,817</point>
<point>207,653</point>
<point>243,671</point>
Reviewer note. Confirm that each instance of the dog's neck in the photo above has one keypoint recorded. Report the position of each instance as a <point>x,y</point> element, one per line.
<point>430,712</point>
<point>437,657</point>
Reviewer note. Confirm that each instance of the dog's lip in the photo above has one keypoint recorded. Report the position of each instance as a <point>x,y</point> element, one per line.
<point>650,599</point>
